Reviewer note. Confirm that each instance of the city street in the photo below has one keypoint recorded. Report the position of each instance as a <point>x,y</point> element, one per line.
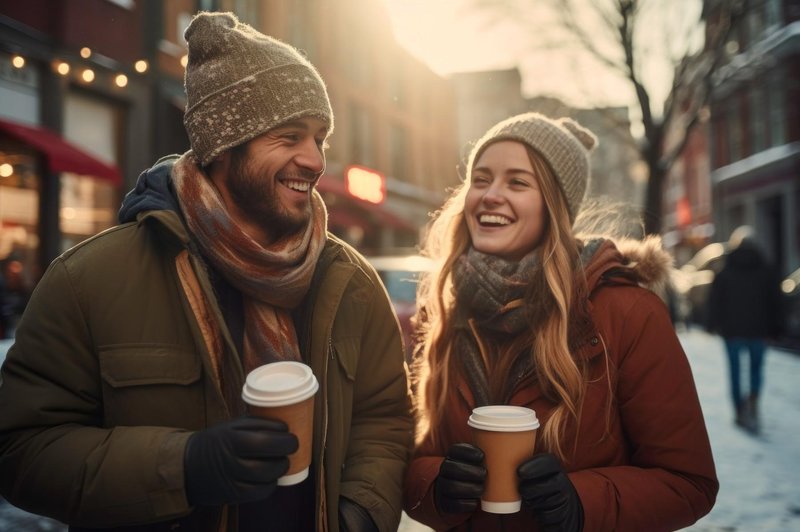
<point>758,474</point>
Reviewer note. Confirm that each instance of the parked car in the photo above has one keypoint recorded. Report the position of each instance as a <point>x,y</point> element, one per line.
<point>5,345</point>
<point>790,288</point>
<point>692,282</point>
<point>401,275</point>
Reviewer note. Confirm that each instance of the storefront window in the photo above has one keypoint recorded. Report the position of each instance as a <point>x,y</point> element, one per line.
<point>759,114</point>
<point>734,129</point>
<point>19,240</point>
<point>88,206</point>
<point>777,106</point>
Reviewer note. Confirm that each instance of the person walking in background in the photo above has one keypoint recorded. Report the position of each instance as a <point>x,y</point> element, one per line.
<point>14,294</point>
<point>744,308</point>
<point>121,397</point>
<point>523,311</point>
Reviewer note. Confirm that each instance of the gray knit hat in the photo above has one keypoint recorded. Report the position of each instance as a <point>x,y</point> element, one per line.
<point>563,143</point>
<point>241,83</point>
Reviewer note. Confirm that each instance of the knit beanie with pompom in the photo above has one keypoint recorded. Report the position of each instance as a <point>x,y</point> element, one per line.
<point>562,142</point>
<point>241,83</point>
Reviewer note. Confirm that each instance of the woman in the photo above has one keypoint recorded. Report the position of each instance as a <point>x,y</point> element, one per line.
<point>522,311</point>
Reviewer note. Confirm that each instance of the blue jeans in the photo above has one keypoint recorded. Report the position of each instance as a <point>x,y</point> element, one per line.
<point>756,347</point>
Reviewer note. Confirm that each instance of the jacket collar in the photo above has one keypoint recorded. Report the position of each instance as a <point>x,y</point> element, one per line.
<point>642,262</point>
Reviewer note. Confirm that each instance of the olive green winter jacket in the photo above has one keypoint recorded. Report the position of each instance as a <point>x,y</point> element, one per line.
<point>110,375</point>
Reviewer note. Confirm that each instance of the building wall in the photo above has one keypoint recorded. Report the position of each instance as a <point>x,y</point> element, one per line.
<point>392,113</point>
<point>483,99</point>
<point>755,137</point>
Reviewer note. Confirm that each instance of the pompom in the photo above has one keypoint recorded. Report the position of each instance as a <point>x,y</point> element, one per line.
<point>586,137</point>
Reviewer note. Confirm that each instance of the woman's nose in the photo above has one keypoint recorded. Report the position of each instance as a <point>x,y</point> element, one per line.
<point>493,195</point>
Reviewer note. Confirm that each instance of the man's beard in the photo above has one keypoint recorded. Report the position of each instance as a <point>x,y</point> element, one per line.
<point>250,192</point>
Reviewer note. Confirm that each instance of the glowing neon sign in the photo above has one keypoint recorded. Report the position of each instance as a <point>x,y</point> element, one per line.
<point>366,184</point>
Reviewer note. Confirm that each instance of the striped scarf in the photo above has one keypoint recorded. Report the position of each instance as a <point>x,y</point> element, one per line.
<point>272,280</point>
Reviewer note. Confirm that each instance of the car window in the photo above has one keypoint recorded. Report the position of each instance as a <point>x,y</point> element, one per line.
<point>401,285</point>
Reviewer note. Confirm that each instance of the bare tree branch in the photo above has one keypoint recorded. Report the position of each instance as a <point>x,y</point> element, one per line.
<point>567,15</point>
<point>689,90</point>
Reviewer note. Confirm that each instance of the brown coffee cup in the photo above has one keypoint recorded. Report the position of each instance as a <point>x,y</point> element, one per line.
<point>285,391</point>
<point>507,437</point>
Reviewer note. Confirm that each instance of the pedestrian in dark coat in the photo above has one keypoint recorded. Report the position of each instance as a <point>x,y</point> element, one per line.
<point>744,308</point>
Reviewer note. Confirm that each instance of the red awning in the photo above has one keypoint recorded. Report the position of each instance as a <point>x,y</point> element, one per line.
<point>61,156</point>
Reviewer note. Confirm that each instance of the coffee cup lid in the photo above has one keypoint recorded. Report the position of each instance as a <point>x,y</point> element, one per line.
<point>279,384</point>
<point>503,418</point>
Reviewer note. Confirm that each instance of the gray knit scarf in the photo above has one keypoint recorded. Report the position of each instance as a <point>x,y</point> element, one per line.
<point>490,292</point>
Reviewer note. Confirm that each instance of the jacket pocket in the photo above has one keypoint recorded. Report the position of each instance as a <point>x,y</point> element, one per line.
<point>341,383</point>
<point>346,351</point>
<point>151,384</point>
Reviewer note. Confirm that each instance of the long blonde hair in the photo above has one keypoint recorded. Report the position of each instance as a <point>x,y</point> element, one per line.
<point>560,377</point>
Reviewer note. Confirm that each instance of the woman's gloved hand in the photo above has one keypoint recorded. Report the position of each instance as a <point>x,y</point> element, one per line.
<point>461,479</point>
<point>236,461</point>
<point>546,489</point>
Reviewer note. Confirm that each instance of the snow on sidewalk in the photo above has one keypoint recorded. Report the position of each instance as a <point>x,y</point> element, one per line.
<point>758,474</point>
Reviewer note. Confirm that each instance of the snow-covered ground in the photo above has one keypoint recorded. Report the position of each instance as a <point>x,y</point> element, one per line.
<point>759,486</point>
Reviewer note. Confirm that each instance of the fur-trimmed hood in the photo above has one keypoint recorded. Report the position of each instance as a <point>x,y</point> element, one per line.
<point>644,262</point>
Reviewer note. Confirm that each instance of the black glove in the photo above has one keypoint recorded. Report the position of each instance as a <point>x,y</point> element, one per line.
<point>236,461</point>
<point>547,490</point>
<point>354,518</point>
<point>460,483</point>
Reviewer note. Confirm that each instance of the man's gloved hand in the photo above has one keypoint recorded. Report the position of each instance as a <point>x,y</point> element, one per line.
<point>547,490</point>
<point>354,518</point>
<point>236,461</point>
<point>461,479</point>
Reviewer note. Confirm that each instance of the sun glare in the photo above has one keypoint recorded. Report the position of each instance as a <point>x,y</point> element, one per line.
<point>453,36</point>
<point>449,38</point>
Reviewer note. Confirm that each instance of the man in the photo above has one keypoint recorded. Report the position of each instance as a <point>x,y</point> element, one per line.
<point>121,399</point>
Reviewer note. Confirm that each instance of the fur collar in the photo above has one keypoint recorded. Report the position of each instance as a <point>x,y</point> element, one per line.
<point>644,262</point>
<point>649,260</point>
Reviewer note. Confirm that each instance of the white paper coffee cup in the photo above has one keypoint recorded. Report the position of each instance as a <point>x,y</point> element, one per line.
<point>507,437</point>
<point>285,391</point>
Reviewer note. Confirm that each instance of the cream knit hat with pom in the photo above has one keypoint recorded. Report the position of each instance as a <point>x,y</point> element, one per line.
<point>563,143</point>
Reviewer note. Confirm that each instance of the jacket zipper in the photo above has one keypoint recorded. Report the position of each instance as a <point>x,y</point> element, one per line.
<point>323,515</point>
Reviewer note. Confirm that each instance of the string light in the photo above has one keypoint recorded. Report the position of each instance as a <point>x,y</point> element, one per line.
<point>62,68</point>
<point>86,52</point>
<point>88,75</point>
<point>121,80</point>
<point>6,170</point>
<point>184,60</point>
<point>141,66</point>
<point>18,61</point>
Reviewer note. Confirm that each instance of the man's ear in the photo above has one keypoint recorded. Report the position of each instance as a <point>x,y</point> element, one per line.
<point>217,169</point>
